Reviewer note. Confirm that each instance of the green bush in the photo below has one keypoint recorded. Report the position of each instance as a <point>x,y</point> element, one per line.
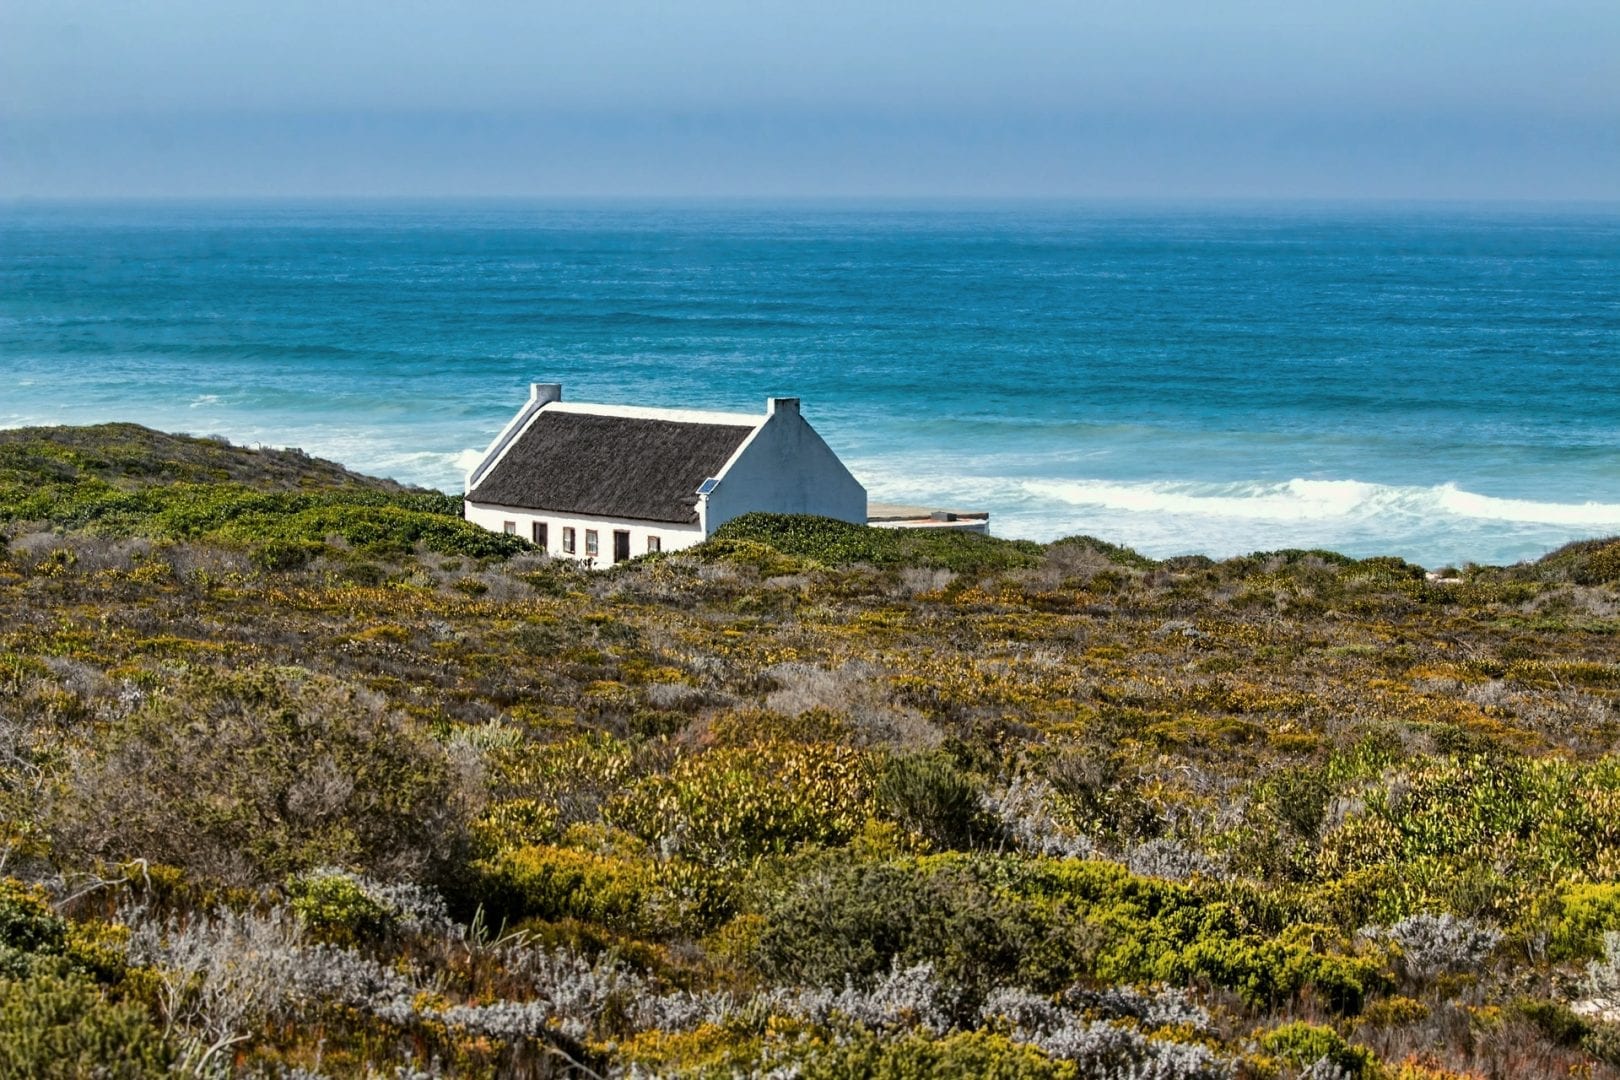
<point>1268,973</point>
<point>283,528</point>
<point>55,1026</point>
<point>29,930</point>
<point>838,543</point>
<point>276,555</point>
<point>1445,826</point>
<point>1303,1044</point>
<point>1155,930</point>
<point>985,921</point>
<point>927,795</point>
<point>131,455</point>
<point>916,1057</point>
<point>1578,920</point>
<point>763,559</point>
<point>1099,792</point>
<point>1388,568</point>
<point>27,925</point>
<point>860,920</point>
<point>542,881</point>
<point>1603,1043</point>
<point>734,804</point>
<point>1586,562</point>
<point>336,909</point>
<point>1554,1020</point>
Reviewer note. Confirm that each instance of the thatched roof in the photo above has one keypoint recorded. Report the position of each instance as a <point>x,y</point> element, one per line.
<point>601,465</point>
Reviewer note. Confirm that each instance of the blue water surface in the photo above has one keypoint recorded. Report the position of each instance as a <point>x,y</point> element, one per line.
<point>1437,382</point>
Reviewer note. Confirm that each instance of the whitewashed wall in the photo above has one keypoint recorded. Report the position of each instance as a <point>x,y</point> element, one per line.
<point>785,468</point>
<point>672,537</point>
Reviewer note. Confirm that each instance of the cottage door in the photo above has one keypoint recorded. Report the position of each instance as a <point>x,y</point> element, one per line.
<point>621,545</point>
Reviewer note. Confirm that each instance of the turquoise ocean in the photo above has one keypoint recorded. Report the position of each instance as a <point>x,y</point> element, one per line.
<point>1436,382</point>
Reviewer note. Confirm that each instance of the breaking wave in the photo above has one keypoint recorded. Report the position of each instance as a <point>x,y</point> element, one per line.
<point>431,468</point>
<point>1300,501</point>
<point>1431,525</point>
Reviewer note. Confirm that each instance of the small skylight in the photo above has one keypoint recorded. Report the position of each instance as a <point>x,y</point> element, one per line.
<point>708,486</point>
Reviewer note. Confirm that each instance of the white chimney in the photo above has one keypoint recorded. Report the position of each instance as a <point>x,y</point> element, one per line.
<point>781,404</point>
<point>544,393</point>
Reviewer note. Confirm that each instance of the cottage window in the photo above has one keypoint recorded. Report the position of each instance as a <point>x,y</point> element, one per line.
<point>568,539</point>
<point>539,530</point>
<point>590,543</point>
<point>510,526</point>
<point>653,544</point>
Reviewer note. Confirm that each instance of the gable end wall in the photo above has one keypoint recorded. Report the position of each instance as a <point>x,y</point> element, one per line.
<point>786,468</point>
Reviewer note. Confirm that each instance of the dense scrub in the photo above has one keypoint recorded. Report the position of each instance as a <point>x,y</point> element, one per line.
<point>826,542</point>
<point>300,774</point>
<point>116,481</point>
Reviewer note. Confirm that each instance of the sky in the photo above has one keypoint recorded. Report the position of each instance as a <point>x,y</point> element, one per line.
<point>1449,99</point>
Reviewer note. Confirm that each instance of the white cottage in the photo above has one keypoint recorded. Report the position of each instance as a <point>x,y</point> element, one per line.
<point>604,483</point>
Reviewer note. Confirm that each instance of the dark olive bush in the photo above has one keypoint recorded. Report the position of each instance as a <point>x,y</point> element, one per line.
<point>245,777</point>
<point>927,795</point>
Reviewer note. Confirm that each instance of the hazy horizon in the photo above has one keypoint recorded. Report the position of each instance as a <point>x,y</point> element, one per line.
<point>1159,100</point>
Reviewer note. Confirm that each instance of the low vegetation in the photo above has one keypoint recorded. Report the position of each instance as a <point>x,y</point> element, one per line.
<point>301,774</point>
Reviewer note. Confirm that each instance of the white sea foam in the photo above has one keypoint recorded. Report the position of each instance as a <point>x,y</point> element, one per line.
<point>1581,515</point>
<point>432,468</point>
<point>467,459</point>
<point>1301,501</point>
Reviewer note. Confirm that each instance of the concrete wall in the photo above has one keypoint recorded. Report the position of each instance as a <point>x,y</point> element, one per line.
<point>671,537</point>
<point>785,468</point>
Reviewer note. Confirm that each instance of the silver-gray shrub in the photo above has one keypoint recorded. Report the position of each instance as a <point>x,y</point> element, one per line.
<point>572,993</point>
<point>858,690</point>
<point>1166,1006</point>
<point>572,990</point>
<point>1023,1009</point>
<point>1171,859</point>
<point>1024,809</point>
<point>1101,1048</point>
<point>225,973</point>
<point>218,976</point>
<point>327,974</point>
<point>915,580</point>
<point>1325,1069</point>
<point>418,908</point>
<point>905,998</point>
<point>1603,976</point>
<point>1435,945</point>
<point>677,696</point>
<point>508,1020</point>
<point>410,1071</point>
<point>684,1010</point>
<point>1108,1051</point>
<point>221,975</point>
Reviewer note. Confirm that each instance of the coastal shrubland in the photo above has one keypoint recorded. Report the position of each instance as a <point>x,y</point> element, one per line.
<point>300,774</point>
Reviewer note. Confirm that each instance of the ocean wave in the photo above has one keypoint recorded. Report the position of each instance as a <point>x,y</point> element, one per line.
<point>1301,500</point>
<point>443,470</point>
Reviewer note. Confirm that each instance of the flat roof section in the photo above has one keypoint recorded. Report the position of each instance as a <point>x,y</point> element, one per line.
<point>902,516</point>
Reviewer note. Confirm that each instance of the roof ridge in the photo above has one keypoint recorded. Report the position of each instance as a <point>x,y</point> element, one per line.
<point>648,412</point>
